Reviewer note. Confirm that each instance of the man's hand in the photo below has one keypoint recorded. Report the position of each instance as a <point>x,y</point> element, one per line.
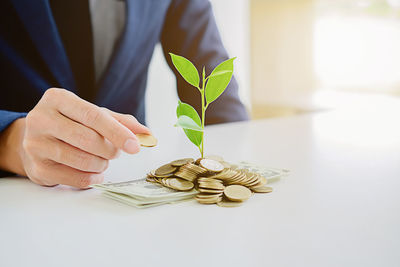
<point>68,140</point>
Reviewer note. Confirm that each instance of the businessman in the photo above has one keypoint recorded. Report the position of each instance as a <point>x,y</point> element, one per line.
<point>73,79</point>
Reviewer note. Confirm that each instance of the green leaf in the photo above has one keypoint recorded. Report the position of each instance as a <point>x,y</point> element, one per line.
<point>219,80</point>
<point>188,110</point>
<point>219,73</point>
<point>185,109</point>
<point>194,136</point>
<point>186,69</point>
<point>187,123</point>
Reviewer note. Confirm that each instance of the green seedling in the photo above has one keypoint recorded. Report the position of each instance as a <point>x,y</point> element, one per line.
<point>210,89</point>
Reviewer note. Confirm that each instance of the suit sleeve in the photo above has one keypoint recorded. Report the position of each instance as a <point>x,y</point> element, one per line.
<point>6,118</point>
<point>190,31</point>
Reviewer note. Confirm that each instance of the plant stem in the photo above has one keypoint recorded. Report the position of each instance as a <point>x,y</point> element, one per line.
<point>203,114</point>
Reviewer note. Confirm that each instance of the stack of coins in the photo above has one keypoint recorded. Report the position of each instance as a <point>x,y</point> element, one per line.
<point>211,190</point>
<point>217,181</point>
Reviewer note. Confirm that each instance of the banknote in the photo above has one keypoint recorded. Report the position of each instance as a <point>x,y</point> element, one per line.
<point>272,174</point>
<point>143,194</point>
<point>142,204</point>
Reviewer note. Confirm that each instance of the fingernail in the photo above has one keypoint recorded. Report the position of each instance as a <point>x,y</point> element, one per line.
<point>131,146</point>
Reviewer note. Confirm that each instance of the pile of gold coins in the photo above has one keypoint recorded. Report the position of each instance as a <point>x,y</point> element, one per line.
<point>217,181</point>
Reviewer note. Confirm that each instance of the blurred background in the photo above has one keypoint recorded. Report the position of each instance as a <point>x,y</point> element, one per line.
<point>298,56</point>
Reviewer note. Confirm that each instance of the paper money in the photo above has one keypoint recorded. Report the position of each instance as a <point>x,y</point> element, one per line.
<point>143,194</point>
<point>272,174</point>
<point>140,204</point>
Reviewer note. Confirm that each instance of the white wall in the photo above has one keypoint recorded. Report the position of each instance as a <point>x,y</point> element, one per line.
<point>161,97</point>
<point>282,50</point>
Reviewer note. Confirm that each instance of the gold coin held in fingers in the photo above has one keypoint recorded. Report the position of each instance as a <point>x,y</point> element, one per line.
<point>237,192</point>
<point>147,140</point>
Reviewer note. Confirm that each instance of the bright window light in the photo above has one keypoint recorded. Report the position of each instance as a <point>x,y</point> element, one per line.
<point>356,45</point>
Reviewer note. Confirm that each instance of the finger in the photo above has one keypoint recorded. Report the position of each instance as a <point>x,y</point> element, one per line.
<point>63,153</point>
<point>62,174</point>
<point>42,183</point>
<point>82,137</point>
<point>130,122</point>
<point>102,122</point>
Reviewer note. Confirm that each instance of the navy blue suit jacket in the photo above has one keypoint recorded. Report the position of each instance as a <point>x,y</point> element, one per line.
<point>33,59</point>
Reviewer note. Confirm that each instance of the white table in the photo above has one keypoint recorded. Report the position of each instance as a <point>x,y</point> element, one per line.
<point>339,207</point>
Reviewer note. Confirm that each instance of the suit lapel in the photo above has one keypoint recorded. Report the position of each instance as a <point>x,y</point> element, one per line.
<point>40,25</point>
